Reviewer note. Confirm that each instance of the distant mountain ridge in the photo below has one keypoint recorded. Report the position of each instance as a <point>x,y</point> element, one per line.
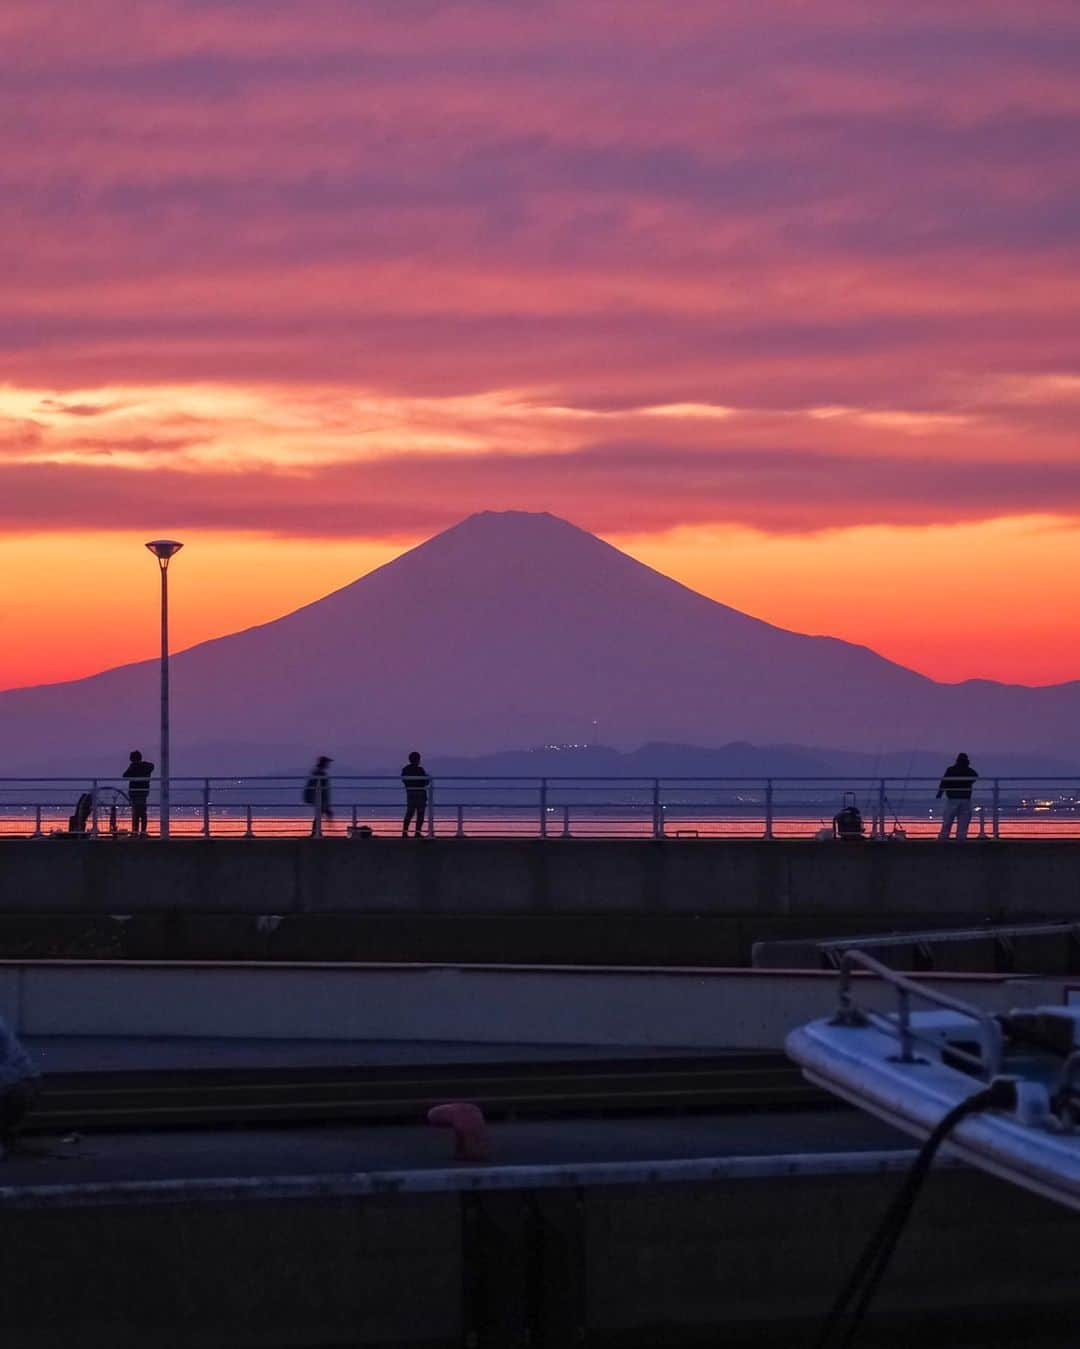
<point>740,759</point>
<point>514,629</point>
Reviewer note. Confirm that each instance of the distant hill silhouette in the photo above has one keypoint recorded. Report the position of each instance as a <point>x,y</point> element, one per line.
<point>518,629</point>
<point>739,759</point>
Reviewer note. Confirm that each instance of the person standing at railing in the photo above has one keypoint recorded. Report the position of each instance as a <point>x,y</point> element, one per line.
<point>138,772</point>
<point>956,787</point>
<point>317,793</point>
<point>414,776</point>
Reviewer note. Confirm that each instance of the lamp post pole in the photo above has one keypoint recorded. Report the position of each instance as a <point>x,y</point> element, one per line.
<point>163,550</point>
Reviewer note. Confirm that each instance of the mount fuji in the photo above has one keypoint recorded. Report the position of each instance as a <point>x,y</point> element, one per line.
<point>513,629</point>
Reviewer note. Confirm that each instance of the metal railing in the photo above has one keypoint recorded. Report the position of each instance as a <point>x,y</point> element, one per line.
<point>986,1030</point>
<point>892,809</point>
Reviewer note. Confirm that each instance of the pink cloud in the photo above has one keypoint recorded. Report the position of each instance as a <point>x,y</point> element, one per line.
<point>600,485</point>
<point>771,205</point>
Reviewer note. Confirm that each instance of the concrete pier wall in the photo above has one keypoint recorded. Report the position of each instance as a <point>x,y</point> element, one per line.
<point>738,1262</point>
<point>530,900</point>
<point>702,1009</point>
<point>289,876</point>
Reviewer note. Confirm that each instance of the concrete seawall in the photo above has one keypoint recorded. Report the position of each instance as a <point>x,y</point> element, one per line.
<point>639,901</point>
<point>423,1004</point>
<point>746,1262</point>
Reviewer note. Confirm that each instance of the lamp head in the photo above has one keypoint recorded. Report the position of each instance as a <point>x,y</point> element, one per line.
<point>163,549</point>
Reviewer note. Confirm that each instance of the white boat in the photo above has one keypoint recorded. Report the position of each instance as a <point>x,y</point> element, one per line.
<point>911,1068</point>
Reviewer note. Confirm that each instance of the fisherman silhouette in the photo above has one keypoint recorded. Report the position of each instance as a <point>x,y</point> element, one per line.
<point>138,773</point>
<point>317,792</point>
<point>956,787</point>
<point>416,781</point>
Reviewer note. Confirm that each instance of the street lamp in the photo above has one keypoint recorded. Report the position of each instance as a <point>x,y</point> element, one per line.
<point>163,550</point>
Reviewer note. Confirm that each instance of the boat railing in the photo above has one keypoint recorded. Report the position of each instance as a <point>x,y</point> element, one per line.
<point>987,1030</point>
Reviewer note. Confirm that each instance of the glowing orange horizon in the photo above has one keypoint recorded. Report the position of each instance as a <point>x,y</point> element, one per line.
<point>83,603</point>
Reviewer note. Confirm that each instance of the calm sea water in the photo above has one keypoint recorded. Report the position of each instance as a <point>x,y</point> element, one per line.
<point>189,821</point>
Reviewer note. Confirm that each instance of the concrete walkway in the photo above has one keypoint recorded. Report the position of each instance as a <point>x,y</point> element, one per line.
<point>195,1155</point>
<point>113,1054</point>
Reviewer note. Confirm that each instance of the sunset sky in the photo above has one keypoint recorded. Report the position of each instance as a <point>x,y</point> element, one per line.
<point>783,298</point>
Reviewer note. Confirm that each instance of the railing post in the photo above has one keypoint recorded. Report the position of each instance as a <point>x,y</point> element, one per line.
<point>431,809</point>
<point>657,810</point>
<point>37,823</point>
<point>249,832</point>
<point>543,807</point>
<point>846,1002</point>
<point>316,824</point>
<point>460,820</point>
<point>903,1021</point>
<point>881,807</point>
<point>566,821</point>
<point>847,1014</point>
<point>206,808</point>
<point>768,807</point>
<point>93,809</point>
<point>996,830</point>
<point>354,817</point>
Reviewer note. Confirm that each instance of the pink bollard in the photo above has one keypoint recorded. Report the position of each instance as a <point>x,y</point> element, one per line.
<point>472,1142</point>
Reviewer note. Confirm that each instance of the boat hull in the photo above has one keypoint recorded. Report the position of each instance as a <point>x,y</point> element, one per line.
<point>861,1065</point>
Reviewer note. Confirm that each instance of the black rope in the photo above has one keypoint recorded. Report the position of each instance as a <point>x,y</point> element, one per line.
<point>871,1265</point>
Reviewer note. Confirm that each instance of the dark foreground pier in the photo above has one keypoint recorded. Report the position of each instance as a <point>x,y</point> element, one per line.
<point>734,1229</point>
<point>648,1189</point>
<point>644,1218</point>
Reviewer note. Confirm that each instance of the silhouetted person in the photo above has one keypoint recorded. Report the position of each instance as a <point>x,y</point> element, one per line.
<point>317,791</point>
<point>956,787</point>
<point>416,781</point>
<point>19,1083</point>
<point>138,773</point>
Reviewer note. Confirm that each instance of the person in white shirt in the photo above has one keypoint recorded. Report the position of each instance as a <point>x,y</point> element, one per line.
<point>956,787</point>
<point>20,1083</point>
